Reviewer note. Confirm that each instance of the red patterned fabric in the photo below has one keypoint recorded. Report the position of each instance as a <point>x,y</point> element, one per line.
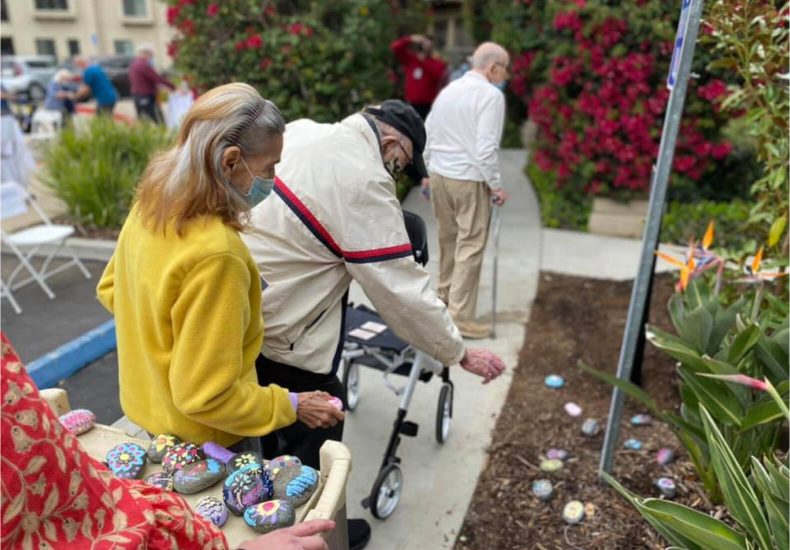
<point>54,495</point>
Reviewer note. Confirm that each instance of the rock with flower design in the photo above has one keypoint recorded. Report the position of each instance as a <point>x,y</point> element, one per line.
<point>283,461</point>
<point>239,460</point>
<point>161,480</point>
<point>179,456</point>
<point>270,515</point>
<point>126,460</point>
<point>296,484</point>
<point>213,509</point>
<point>247,486</point>
<point>78,421</point>
<point>160,445</point>
<point>197,476</point>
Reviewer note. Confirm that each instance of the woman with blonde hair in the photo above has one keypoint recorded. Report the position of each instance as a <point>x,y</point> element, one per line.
<point>185,293</point>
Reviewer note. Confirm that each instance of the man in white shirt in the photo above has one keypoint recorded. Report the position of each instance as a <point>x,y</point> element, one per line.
<point>464,130</point>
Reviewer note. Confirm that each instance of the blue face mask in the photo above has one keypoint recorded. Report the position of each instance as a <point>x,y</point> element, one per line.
<point>260,189</point>
<point>502,85</point>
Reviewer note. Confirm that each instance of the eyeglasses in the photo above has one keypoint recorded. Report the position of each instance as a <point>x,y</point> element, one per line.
<point>408,156</point>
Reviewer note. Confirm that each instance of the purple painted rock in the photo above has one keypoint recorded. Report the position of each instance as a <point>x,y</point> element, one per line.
<point>573,512</point>
<point>239,460</point>
<point>296,484</point>
<point>666,486</point>
<point>277,463</point>
<point>664,456</point>
<point>246,487</point>
<point>160,445</point>
<point>572,409</point>
<point>632,444</point>
<point>591,427</point>
<point>126,460</point>
<point>179,456</point>
<point>543,489</point>
<point>268,516</point>
<point>557,454</point>
<point>161,480</point>
<point>217,452</point>
<point>197,476</point>
<point>641,420</point>
<point>213,509</point>
<point>78,421</point>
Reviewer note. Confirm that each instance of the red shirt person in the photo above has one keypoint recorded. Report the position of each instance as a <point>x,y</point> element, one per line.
<point>423,70</point>
<point>143,81</point>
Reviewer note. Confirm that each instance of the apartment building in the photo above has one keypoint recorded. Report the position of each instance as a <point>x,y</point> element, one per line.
<point>65,28</point>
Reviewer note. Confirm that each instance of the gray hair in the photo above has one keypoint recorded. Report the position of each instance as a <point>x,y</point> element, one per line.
<point>488,53</point>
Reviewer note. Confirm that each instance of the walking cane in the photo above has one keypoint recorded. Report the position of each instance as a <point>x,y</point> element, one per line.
<point>495,224</point>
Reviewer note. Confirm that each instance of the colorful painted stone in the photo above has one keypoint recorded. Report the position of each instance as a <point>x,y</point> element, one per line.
<point>633,444</point>
<point>213,509</point>
<point>240,460</point>
<point>641,420</point>
<point>197,476</point>
<point>573,512</point>
<point>336,403</point>
<point>78,421</point>
<point>666,486</point>
<point>591,427</point>
<point>274,465</point>
<point>160,445</point>
<point>217,452</point>
<point>554,381</point>
<point>296,484</point>
<point>161,480</point>
<point>543,489</point>
<point>573,409</point>
<point>179,456</point>
<point>268,516</point>
<point>664,456</point>
<point>557,454</point>
<point>550,466</point>
<point>246,487</point>
<point>126,460</point>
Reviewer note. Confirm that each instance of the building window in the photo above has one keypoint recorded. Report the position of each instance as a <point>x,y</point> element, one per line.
<point>6,46</point>
<point>46,46</point>
<point>74,47</point>
<point>135,8</point>
<point>3,11</point>
<point>123,47</point>
<point>59,5</point>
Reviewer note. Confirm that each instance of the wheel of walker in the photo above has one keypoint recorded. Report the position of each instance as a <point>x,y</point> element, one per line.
<point>351,383</point>
<point>385,495</point>
<point>444,413</point>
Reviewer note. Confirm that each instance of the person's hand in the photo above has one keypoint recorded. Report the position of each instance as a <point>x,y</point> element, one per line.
<point>425,188</point>
<point>484,363</point>
<point>302,536</point>
<point>499,196</point>
<point>314,410</point>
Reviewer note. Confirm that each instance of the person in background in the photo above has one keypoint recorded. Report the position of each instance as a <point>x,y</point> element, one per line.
<point>464,130</point>
<point>60,94</point>
<point>96,83</point>
<point>185,293</point>
<point>424,72</point>
<point>143,80</point>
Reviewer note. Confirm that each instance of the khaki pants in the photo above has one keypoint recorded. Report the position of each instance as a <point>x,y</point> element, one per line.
<point>462,209</point>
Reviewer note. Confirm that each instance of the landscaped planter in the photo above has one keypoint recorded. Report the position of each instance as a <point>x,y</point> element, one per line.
<point>619,219</point>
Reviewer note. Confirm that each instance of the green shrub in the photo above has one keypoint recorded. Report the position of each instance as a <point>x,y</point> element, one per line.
<point>559,207</point>
<point>95,170</point>
<point>683,220</point>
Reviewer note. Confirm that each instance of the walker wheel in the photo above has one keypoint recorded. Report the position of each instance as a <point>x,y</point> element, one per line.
<point>444,413</point>
<point>351,381</point>
<point>385,495</point>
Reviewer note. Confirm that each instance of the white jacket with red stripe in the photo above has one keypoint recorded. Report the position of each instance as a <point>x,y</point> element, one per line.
<point>333,217</point>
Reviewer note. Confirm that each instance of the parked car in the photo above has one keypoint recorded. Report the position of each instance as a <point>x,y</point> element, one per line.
<point>27,75</point>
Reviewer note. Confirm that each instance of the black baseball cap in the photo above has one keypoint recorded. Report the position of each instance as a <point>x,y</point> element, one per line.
<point>402,116</point>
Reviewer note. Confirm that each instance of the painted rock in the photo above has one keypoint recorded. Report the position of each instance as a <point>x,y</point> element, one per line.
<point>270,515</point>
<point>336,403</point>
<point>633,444</point>
<point>557,454</point>
<point>666,486</point>
<point>217,452</point>
<point>554,381</point>
<point>573,512</point>
<point>78,421</point>
<point>180,455</point>
<point>543,489</point>
<point>160,445</point>
<point>274,465</point>
<point>213,509</point>
<point>550,466</point>
<point>161,480</point>
<point>296,484</point>
<point>197,476</point>
<point>664,456</point>
<point>126,460</point>
<point>641,420</point>
<point>589,510</point>
<point>573,409</point>
<point>239,460</point>
<point>591,427</point>
<point>246,487</point>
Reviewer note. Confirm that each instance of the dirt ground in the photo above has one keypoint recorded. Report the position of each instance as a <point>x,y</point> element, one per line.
<point>576,319</point>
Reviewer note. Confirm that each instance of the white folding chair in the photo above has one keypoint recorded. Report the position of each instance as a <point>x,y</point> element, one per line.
<point>46,124</point>
<point>26,242</point>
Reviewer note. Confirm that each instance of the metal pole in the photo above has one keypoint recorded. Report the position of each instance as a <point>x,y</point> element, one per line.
<point>680,67</point>
<point>495,225</point>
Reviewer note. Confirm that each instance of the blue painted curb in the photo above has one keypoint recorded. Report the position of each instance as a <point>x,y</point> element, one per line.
<point>61,363</point>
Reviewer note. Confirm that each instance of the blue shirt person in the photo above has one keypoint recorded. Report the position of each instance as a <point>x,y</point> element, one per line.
<point>96,83</point>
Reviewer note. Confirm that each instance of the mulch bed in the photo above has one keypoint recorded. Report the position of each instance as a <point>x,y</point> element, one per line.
<point>576,319</point>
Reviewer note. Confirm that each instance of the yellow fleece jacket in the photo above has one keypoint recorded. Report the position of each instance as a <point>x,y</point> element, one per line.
<point>189,327</point>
